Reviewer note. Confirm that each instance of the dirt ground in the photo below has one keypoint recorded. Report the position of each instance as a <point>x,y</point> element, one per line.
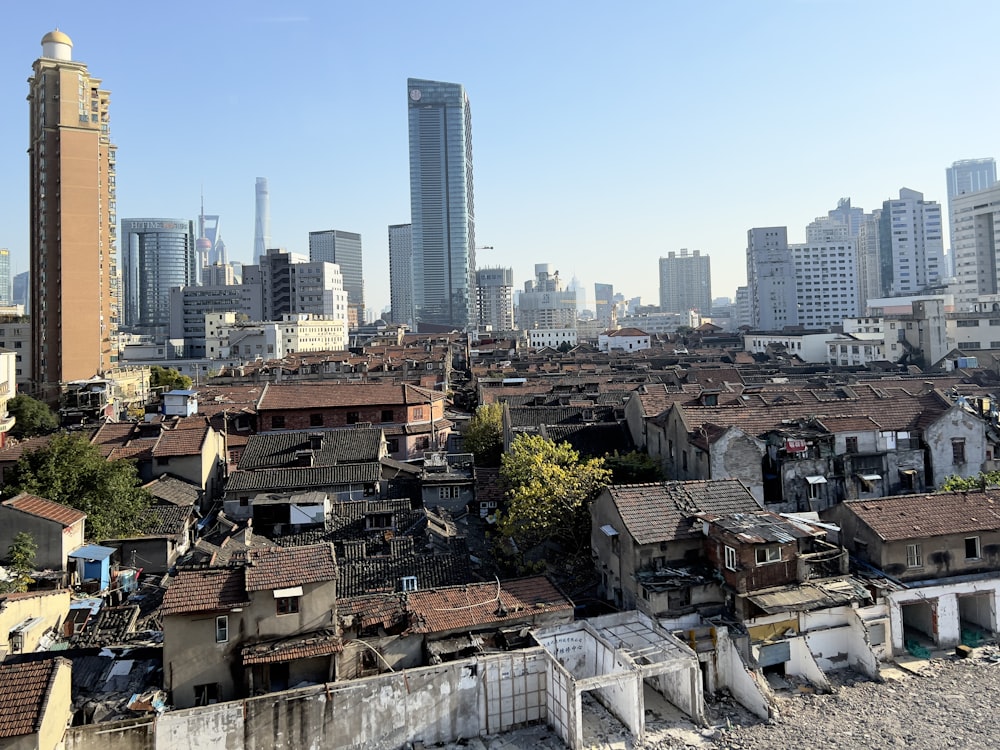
<point>944,702</point>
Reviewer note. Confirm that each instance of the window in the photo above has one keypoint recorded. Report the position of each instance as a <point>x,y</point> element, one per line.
<point>684,460</point>
<point>449,493</point>
<point>287,605</point>
<point>315,420</point>
<point>418,412</point>
<point>730,558</point>
<point>222,629</point>
<point>851,444</point>
<point>814,493</point>
<point>387,415</point>
<point>392,445</point>
<point>767,555</point>
<point>958,450</point>
<point>913,556</point>
<point>409,583</point>
<point>379,521</point>
<point>207,694</point>
<point>353,417</point>
<point>972,550</point>
<point>277,423</point>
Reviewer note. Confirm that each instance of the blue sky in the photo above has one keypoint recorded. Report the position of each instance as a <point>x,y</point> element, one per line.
<point>604,136</point>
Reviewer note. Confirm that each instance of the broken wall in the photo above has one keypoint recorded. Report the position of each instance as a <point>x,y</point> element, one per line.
<point>735,676</point>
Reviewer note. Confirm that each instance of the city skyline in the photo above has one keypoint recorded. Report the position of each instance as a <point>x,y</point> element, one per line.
<point>578,159</point>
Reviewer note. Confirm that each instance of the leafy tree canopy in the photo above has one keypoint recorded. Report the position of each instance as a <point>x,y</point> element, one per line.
<point>32,417</point>
<point>484,435</point>
<point>168,379</point>
<point>634,467</point>
<point>21,556</point>
<point>71,471</point>
<point>548,492</point>
<point>981,481</point>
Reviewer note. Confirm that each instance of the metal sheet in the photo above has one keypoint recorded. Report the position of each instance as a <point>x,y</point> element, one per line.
<point>774,653</point>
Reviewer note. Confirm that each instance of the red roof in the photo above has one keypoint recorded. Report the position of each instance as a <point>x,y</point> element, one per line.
<point>330,395</point>
<point>47,509</point>
<point>24,693</point>
<point>281,567</point>
<point>922,516</point>
<point>211,590</point>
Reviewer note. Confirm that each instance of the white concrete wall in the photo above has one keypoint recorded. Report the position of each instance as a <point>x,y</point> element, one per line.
<point>749,690</point>
<point>802,664</point>
<point>945,595</point>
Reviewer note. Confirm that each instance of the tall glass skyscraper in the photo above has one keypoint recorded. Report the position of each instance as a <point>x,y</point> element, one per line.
<point>344,249</point>
<point>157,254</point>
<point>441,203</point>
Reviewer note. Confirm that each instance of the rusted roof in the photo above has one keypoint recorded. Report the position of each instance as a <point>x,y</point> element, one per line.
<point>307,646</point>
<point>330,395</point>
<point>47,509</point>
<point>24,692</point>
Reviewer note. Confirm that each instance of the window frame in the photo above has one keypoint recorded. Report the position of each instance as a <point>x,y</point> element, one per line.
<point>978,548</point>
<point>287,605</point>
<point>772,554</point>
<point>222,629</point>
<point>914,555</point>
<point>730,557</point>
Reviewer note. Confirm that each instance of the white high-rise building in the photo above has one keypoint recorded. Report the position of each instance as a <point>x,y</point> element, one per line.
<point>686,282</point>
<point>826,282</point>
<point>975,228</point>
<point>911,244</point>
<point>544,304</point>
<point>966,176</point>
<point>771,279</point>
<point>495,293</point>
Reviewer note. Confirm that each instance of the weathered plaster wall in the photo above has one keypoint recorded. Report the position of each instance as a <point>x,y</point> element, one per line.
<point>746,686</point>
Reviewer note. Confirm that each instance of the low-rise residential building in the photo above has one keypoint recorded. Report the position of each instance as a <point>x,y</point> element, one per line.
<point>55,529</point>
<point>28,619</point>
<point>265,625</point>
<point>35,704</point>
<point>624,340</point>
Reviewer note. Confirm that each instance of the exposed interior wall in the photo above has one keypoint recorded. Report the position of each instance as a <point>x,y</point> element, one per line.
<point>562,705</point>
<point>749,690</point>
<point>862,655</point>
<point>802,664</point>
<point>682,687</point>
<point>978,609</point>
<point>920,616</point>
<point>621,694</point>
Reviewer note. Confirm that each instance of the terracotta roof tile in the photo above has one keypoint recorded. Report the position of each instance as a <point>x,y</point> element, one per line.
<point>305,646</point>
<point>281,567</point>
<point>328,395</point>
<point>921,516</point>
<point>47,509</point>
<point>186,439</point>
<point>210,590</point>
<point>24,692</point>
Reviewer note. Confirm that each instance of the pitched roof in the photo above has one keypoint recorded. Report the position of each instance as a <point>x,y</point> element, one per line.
<point>663,512</point>
<point>331,395</point>
<point>173,490</point>
<point>920,516</point>
<point>185,439</point>
<point>479,604</point>
<point>47,509</point>
<point>24,692</point>
<point>211,590</point>
<point>301,477</point>
<point>167,520</point>
<point>281,567</point>
<point>274,449</point>
<point>306,646</point>
<point>385,574</point>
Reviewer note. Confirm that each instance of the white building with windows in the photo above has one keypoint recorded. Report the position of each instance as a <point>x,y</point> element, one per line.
<point>624,340</point>
<point>911,247</point>
<point>539,338</point>
<point>826,282</point>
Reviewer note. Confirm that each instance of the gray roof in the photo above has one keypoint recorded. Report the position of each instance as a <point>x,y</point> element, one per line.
<point>346,446</point>
<point>385,574</point>
<point>663,512</point>
<point>174,490</point>
<point>285,480</point>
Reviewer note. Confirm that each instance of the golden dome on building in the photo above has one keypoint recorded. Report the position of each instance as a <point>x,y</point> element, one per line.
<point>57,37</point>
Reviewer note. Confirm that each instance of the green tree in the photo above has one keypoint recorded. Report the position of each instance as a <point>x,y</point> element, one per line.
<point>981,481</point>
<point>633,468</point>
<point>71,471</point>
<point>484,435</point>
<point>21,556</point>
<point>548,490</point>
<point>32,417</point>
<point>168,379</point>
<point>565,347</point>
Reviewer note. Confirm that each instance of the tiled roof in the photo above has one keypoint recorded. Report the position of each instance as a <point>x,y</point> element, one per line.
<point>281,567</point>
<point>24,692</point>
<point>921,516</point>
<point>535,416</point>
<point>47,509</point>
<point>167,520</point>
<point>488,485</point>
<point>331,395</point>
<point>663,512</point>
<point>307,646</point>
<point>302,477</point>
<point>479,604</point>
<point>592,439</point>
<point>627,332</point>
<point>385,574</point>
<point>275,449</point>
<point>185,439</point>
<point>231,398</point>
<point>13,453</point>
<point>210,590</point>
<point>761,527</point>
<point>173,490</point>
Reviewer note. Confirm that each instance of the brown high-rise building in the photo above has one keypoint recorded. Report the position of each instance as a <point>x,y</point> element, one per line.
<point>74,308</point>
